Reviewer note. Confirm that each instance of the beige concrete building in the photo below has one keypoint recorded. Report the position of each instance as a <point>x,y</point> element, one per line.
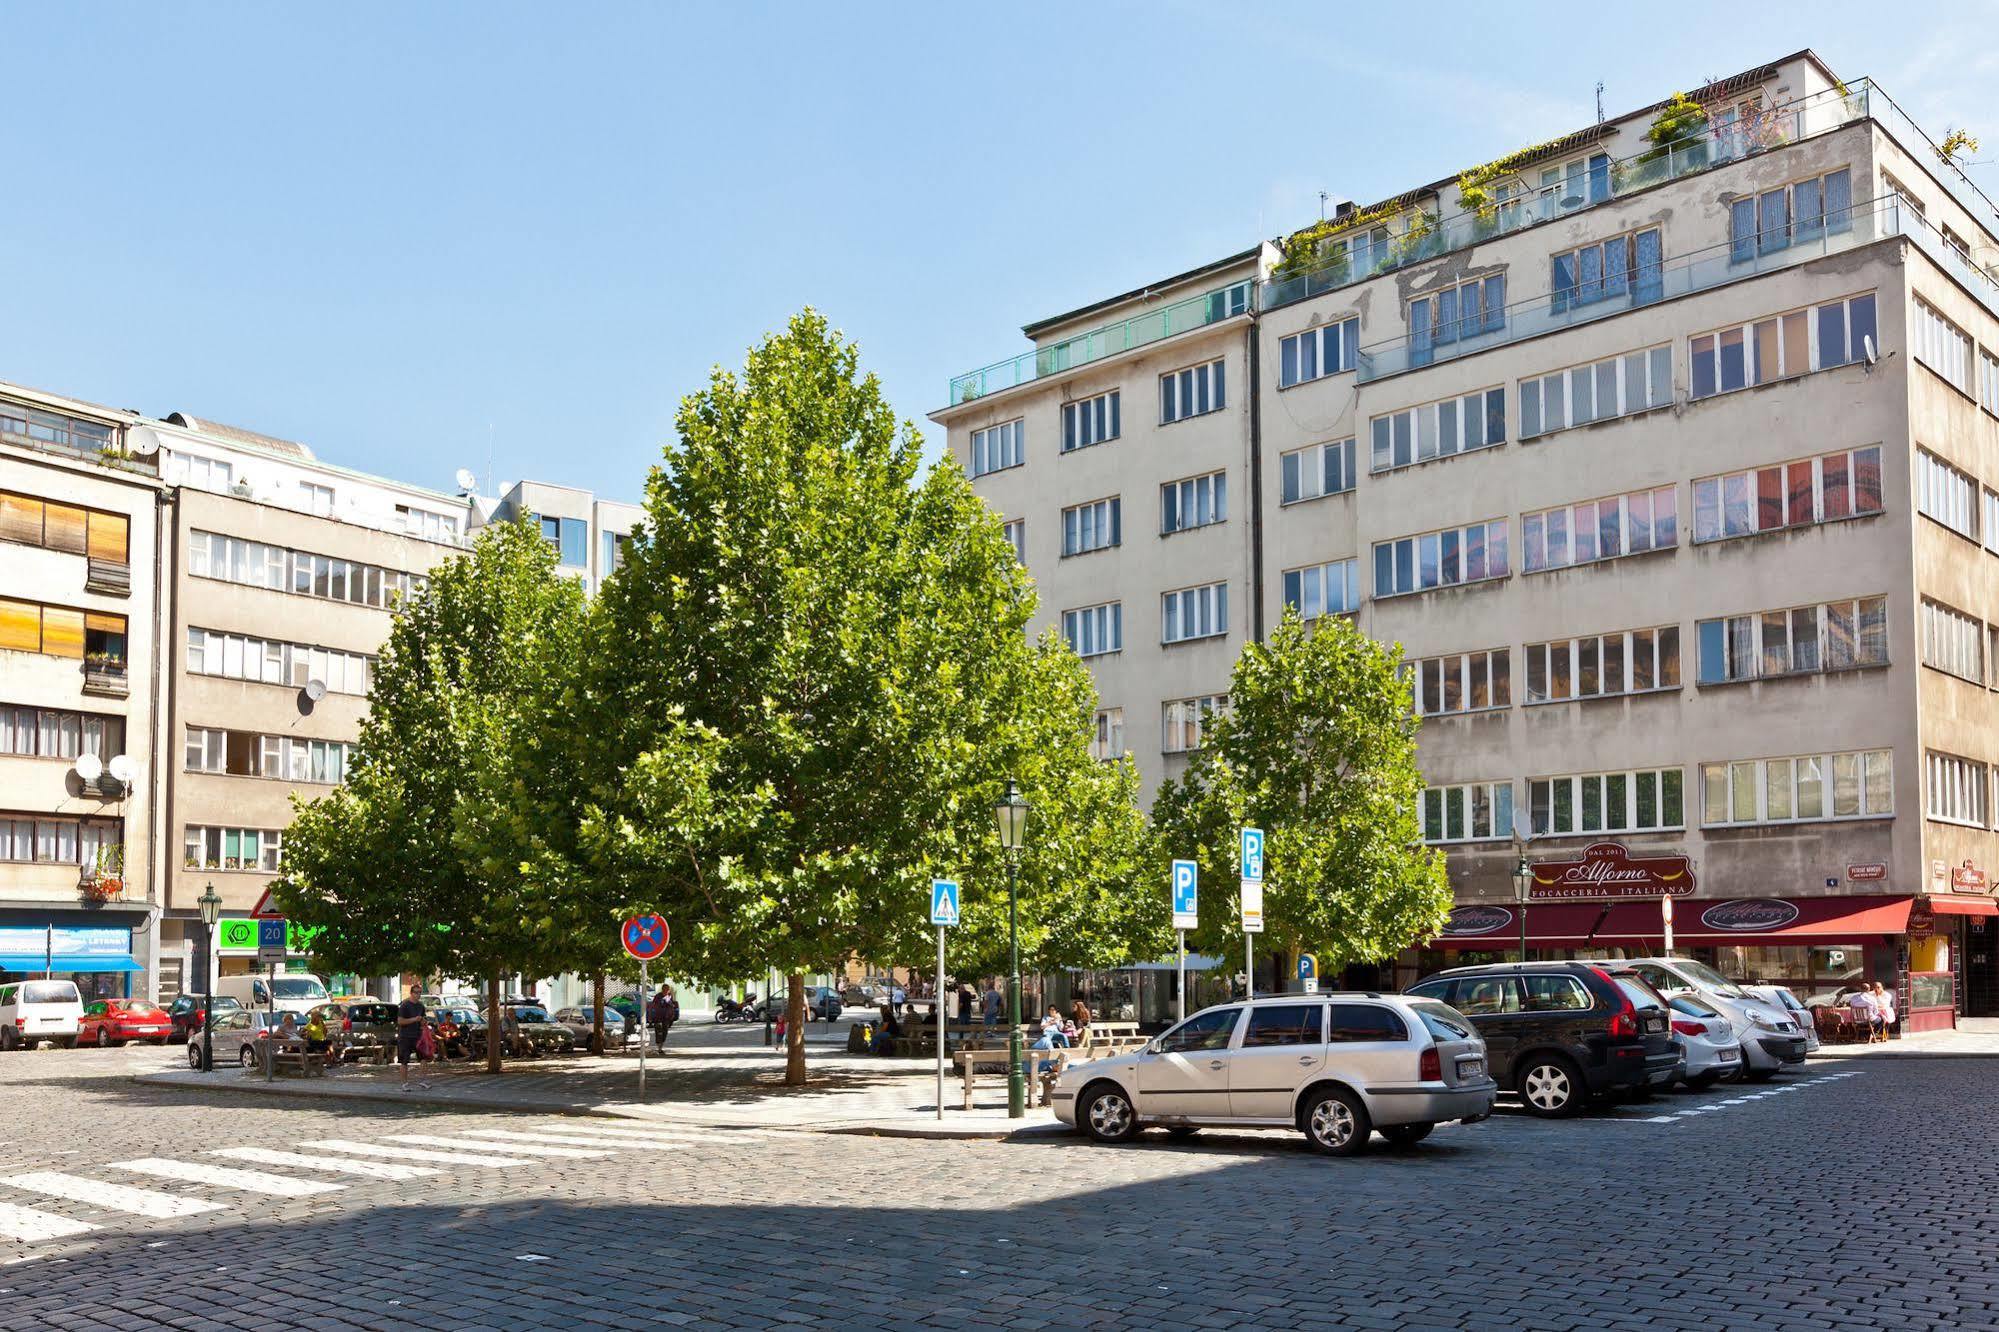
<point>1674,470</point>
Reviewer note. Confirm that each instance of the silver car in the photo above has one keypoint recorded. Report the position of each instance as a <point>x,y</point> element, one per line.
<point>1338,1067</point>
<point>235,1037</point>
<point>1707,1038</point>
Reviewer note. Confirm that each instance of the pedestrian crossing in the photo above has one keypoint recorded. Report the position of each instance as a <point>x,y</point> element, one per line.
<point>237,1175</point>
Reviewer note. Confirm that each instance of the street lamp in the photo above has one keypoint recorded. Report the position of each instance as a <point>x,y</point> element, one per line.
<point>1523,880</point>
<point>1011,815</point>
<point>211,911</point>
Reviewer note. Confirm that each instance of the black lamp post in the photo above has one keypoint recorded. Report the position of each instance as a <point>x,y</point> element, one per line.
<point>1011,815</point>
<point>1523,880</point>
<point>211,911</point>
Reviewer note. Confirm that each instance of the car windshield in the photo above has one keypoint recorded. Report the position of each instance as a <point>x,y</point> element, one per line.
<point>50,992</point>
<point>1693,1007</point>
<point>1707,978</point>
<point>1444,1022</point>
<point>298,987</point>
<point>1641,994</point>
<point>1790,1000</point>
<point>530,1015</point>
<point>371,1012</point>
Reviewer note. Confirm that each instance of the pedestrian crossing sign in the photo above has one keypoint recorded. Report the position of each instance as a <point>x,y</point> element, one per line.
<point>943,902</point>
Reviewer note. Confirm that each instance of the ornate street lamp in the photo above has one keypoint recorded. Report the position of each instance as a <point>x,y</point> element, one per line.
<point>211,911</point>
<point>1011,815</point>
<point>1523,881</point>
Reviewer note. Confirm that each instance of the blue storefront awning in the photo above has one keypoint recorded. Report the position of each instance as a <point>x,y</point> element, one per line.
<point>33,962</point>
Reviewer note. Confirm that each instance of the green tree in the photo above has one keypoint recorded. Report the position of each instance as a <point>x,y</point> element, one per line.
<point>810,681</point>
<point>422,861</point>
<point>1318,748</point>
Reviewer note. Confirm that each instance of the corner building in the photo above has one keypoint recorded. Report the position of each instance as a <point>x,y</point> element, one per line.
<point>1673,470</point>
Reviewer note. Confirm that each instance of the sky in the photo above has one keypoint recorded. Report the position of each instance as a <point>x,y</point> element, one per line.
<point>424,237</point>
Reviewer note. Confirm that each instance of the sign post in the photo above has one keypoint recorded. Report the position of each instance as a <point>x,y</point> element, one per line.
<point>1308,972</point>
<point>943,914</point>
<point>1186,916</point>
<point>1252,905</point>
<point>644,937</point>
<point>1666,913</point>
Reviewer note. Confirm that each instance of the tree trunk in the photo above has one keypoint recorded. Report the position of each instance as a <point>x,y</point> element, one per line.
<point>597,1009</point>
<point>794,1032</point>
<point>495,1029</point>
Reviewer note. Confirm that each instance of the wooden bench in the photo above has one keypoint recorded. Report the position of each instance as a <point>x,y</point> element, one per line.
<point>309,1065</point>
<point>974,1062</point>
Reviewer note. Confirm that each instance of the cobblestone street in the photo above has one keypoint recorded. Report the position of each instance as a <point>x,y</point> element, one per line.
<point>1849,1195</point>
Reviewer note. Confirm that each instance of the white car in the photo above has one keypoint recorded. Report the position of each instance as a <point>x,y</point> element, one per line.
<point>1770,1038</point>
<point>33,1011</point>
<point>1335,1066</point>
<point>1782,997</point>
<point>1708,1040</point>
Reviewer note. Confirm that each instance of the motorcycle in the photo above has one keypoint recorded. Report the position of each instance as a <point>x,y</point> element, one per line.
<point>728,1010</point>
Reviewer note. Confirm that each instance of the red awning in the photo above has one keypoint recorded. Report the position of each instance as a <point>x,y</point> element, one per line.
<point>1705,922</point>
<point>1964,906</point>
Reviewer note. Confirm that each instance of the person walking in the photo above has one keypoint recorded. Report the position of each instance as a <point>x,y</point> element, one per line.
<point>992,1003</point>
<point>657,1018</point>
<point>964,1004</point>
<point>409,1029</point>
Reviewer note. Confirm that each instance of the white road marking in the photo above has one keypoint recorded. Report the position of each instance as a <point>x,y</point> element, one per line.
<point>371,1169</point>
<point>250,1181</point>
<point>618,1144</point>
<point>432,1140</point>
<point>25,1223</point>
<point>664,1133</point>
<point>117,1197</point>
<point>413,1153</point>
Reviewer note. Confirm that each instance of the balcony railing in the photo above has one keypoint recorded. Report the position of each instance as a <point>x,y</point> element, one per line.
<point>1061,357</point>
<point>105,676</point>
<point>1972,199</point>
<point>107,577</point>
<point>1776,127</point>
<point>71,437</point>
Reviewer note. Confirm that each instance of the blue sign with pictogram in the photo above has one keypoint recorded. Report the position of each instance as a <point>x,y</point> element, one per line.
<point>1186,895</point>
<point>1252,854</point>
<point>645,937</point>
<point>943,902</point>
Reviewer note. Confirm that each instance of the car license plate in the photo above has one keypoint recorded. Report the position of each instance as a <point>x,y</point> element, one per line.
<point>1730,1056</point>
<point>1471,1068</point>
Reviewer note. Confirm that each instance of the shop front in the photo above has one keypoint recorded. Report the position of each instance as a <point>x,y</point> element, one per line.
<point>97,956</point>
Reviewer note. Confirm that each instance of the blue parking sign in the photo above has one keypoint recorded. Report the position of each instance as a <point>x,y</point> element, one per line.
<point>1252,854</point>
<point>1186,895</point>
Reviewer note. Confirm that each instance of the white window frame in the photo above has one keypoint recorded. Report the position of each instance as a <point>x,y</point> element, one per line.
<point>1639,381</point>
<point>1746,640</point>
<point>1751,784</point>
<point>1015,532</point>
<point>1944,347</point>
<point>1538,550</point>
<point>1197,390</point>
<point>1954,789</point>
<point>1184,721</point>
<point>1813,355</point>
<point>1947,494</point>
<point>317,498</point>
<point>1466,797</point>
<point>1333,348</point>
<point>1446,428</point>
<point>1579,787</point>
<point>1092,526</point>
<point>1316,471</point>
<point>1205,494</point>
<point>1107,742</point>
<point>995,448</point>
<point>1566,659</point>
<point>1094,631</point>
<point>1097,419</point>
<point>1493,547</point>
<point>1716,495</point>
<point>1188,614</point>
<point>1432,681</point>
<point>1316,590</point>
<point>1952,642</point>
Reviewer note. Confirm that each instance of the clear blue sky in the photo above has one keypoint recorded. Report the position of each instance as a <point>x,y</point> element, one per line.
<point>390,229</point>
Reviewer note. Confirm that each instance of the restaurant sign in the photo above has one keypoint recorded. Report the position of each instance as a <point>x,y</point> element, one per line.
<point>1607,871</point>
<point>1966,879</point>
<point>1750,915</point>
<point>1474,920</point>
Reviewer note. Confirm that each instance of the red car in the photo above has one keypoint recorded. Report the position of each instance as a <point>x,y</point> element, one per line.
<point>115,1021</point>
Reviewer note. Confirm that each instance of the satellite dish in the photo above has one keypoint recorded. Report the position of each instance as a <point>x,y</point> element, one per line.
<point>315,690</point>
<point>123,769</point>
<point>142,441</point>
<point>467,481</point>
<point>1869,350</point>
<point>89,766</point>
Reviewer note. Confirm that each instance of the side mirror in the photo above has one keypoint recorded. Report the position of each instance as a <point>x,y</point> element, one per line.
<point>1157,1045</point>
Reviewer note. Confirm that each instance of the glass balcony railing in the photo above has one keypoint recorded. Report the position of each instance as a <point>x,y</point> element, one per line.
<point>1719,144</point>
<point>1151,326</point>
<point>1969,197</point>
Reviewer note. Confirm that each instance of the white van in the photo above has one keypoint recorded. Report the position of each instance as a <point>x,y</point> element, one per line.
<point>288,992</point>
<point>34,1011</point>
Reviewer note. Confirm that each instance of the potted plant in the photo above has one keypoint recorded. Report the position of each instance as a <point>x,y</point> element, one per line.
<point>1677,133</point>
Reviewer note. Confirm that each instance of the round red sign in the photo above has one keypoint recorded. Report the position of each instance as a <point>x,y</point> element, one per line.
<point>645,937</point>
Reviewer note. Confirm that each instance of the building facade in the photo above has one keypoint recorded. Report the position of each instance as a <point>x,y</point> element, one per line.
<point>1672,467</point>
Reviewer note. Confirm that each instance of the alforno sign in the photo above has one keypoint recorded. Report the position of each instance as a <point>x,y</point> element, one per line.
<point>1607,871</point>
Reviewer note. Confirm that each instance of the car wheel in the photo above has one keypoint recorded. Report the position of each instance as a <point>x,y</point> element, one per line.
<point>1406,1135</point>
<point>1107,1113</point>
<point>194,1057</point>
<point>1335,1122</point>
<point>1183,1131</point>
<point>1551,1086</point>
<point>247,1057</point>
<point>1759,1074</point>
<point>103,1039</point>
<point>8,1040</point>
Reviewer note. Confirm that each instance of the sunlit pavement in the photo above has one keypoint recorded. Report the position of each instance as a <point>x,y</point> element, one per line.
<point>1851,1195</point>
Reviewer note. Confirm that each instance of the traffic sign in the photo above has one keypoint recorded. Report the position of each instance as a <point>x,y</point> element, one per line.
<point>1186,895</point>
<point>1308,967</point>
<point>271,940</point>
<point>943,902</point>
<point>1252,855</point>
<point>1252,906</point>
<point>645,937</point>
<point>266,908</point>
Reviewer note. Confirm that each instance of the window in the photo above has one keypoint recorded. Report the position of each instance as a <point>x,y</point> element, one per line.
<point>1323,589</point>
<point>1946,494</point>
<point>58,631</point>
<point>1192,392</point>
<point>1462,682</point>
<point>1793,214</point>
<point>1797,641</point>
<point>91,532</point>
<point>269,662</point>
<point>1555,994</point>
<point>614,551</point>
<point>202,473</point>
<point>1943,347</point>
<point>1094,630</point>
<point>1285,1024</point>
<point>1606,802</point>
<point>1571,184</point>
<point>65,432</point>
<point>1194,612</point>
<point>1988,381</point>
<point>998,447</point>
<point>1322,469</point>
<point>1635,382</point>
<point>207,848</point>
<point>1600,529</point>
<point>1440,318</point>
<point>570,538</point>
<point>1317,352</point>
<point>1097,525</point>
<point>1203,1031</point>
<point>1196,502</point>
<point>1090,421</point>
<point>58,734</point>
<point>1364,1022</point>
<point>232,560</point>
<point>1780,346</point>
<point>1483,996</point>
<point>1438,429</point>
<point>1825,489</point>
<point>1637,661</point>
<point>1108,742</point>
<point>1795,790</point>
<point>207,750</point>
<point>1628,265</point>
<point>1990,526</point>
<point>1440,559</point>
<point>1187,718</point>
<point>39,839</point>
<point>1956,790</point>
<point>1478,812</point>
<point>316,498</point>
<point>1015,532</point>
<point>428,525</point>
<point>1953,641</point>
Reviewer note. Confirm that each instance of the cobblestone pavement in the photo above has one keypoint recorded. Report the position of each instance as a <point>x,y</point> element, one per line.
<point>1849,1196</point>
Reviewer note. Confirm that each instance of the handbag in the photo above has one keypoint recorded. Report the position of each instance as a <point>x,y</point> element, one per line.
<point>426,1048</point>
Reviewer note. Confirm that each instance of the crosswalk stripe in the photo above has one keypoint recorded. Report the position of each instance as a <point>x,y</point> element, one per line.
<point>413,1153</point>
<point>117,1197</point>
<point>431,1140</point>
<point>664,1133</point>
<point>25,1223</point>
<point>619,1144</point>
<point>371,1169</point>
<point>250,1181</point>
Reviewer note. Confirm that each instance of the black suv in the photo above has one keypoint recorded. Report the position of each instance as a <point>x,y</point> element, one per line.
<point>1558,1032</point>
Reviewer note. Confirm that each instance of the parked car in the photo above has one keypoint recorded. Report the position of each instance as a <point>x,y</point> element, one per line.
<point>1337,1067</point>
<point>297,992</point>
<point>822,1002</point>
<point>360,1028</point>
<point>527,1030</point>
<point>582,1024</point>
<point>1707,1038</point>
<point>185,1013</point>
<point>235,1037</point>
<point>864,996</point>
<point>1770,1039</point>
<point>1794,1008</point>
<point>1559,1032</point>
<point>34,1011</point>
<point>116,1021</point>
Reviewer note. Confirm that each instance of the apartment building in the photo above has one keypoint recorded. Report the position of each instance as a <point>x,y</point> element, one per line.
<point>1672,467</point>
<point>588,534</point>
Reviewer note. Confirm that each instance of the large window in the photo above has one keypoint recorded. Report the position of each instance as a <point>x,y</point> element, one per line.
<point>1196,502</point>
<point>1194,612</point>
<point>1943,347</point>
<point>1780,346</point>
<point>1635,661</point>
<point>201,473</point>
<point>1953,641</point>
<point>1094,630</point>
<point>1859,785</point>
<point>207,848</point>
<point>1628,265</point>
<point>1473,812</point>
<point>1795,641</point>
<point>39,839</point>
<point>1015,532</point>
<point>1187,720</point>
<point>248,754</point>
<point>1091,421</point>
<point>1098,525</point>
<point>1108,741</point>
<point>569,538</point>
<point>268,661</point>
<point>998,447</point>
<point>58,734</point>
<point>1317,352</point>
<point>1438,429</point>
<point>1635,382</point>
<point>1956,789</point>
<point>232,560</point>
<point>1988,381</point>
<point>1322,469</point>
<point>91,532</point>
<point>1195,391</point>
<point>1600,529</point>
<point>1440,559</point>
<point>1323,589</point>
<point>1462,682</point>
<point>1641,801</point>
<point>1825,489</point>
<point>1946,494</point>
<point>1789,215</point>
<point>62,631</point>
<point>1461,310</point>
<point>430,526</point>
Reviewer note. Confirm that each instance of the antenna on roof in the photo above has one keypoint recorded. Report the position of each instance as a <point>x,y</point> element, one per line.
<point>1323,197</point>
<point>1599,101</point>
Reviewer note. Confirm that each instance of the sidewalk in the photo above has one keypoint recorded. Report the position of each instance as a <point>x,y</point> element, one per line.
<point>1975,1038</point>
